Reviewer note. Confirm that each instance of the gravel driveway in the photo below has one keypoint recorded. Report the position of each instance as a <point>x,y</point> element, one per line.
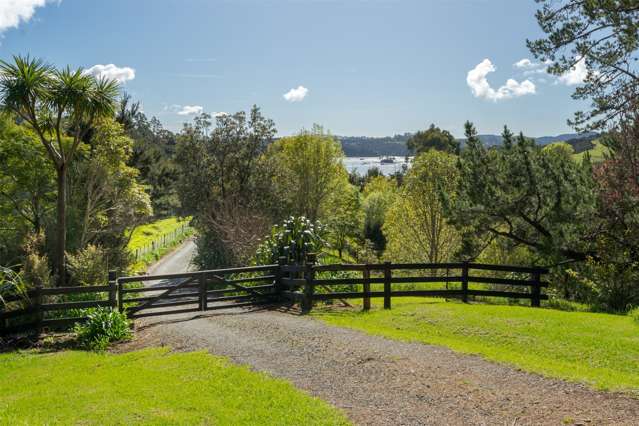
<point>377,381</point>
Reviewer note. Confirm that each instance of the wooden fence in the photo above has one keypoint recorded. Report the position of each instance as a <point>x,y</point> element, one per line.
<point>304,284</point>
<point>461,280</point>
<point>37,303</point>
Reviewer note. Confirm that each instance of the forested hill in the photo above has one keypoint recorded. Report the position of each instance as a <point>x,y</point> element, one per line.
<point>365,146</point>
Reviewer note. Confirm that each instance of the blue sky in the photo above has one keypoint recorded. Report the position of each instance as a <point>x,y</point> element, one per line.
<point>375,67</point>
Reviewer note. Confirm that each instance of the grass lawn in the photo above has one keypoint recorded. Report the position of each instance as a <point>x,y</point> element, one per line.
<point>151,386</point>
<point>599,349</point>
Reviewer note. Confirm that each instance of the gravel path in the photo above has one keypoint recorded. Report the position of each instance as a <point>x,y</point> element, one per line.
<point>377,381</point>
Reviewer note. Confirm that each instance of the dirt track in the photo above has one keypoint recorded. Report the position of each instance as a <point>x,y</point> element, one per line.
<point>380,381</point>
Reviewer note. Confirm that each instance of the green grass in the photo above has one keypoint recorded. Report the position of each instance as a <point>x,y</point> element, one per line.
<point>596,154</point>
<point>144,235</point>
<point>598,349</point>
<point>151,386</point>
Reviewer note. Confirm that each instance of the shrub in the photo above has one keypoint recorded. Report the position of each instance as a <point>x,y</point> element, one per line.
<point>88,266</point>
<point>36,269</point>
<point>11,284</point>
<point>634,314</point>
<point>294,238</point>
<point>103,326</point>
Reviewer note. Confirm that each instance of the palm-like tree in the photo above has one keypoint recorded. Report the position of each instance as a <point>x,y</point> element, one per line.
<point>61,107</point>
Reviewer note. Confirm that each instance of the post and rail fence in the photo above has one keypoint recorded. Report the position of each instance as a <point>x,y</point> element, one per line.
<point>303,284</point>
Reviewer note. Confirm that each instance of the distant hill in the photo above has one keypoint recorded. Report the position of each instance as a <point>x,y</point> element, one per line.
<point>365,146</point>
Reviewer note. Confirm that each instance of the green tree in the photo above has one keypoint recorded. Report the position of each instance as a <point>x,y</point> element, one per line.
<point>379,194</point>
<point>309,170</point>
<point>345,221</point>
<point>433,138</point>
<point>105,198</point>
<point>60,106</point>
<point>225,184</point>
<point>538,198</point>
<point>27,188</point>
<point>601,35</point>
<point>416,227</point>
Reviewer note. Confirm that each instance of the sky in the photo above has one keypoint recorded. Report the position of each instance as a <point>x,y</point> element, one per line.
<point>357,67</point>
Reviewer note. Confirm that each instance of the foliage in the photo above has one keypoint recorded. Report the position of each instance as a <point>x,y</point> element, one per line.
<point>61,107</point>
<point>603,37</point>
<point>103,326</point>
<point>105,196</point>
<point>379,194</point>
<point>433,138</point>
<point>538,198</point>
<point>597,349</point>
<point>225,184</point>
<point>26,187</point>
<point>294,239</point>
<point>309,171</point>
<point>190,388</point>
<point>415,227</point>
<point>88,266</point>
<point>634,314</point>
<point>35,266</point>
<point>12,284</point>
<point>346,219</point>
<point>153,155</point>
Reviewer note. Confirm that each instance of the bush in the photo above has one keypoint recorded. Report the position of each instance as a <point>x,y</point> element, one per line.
<point>88,266</point>
<point>634,314</point>
<point>36,269</point>
<point>11,284</point>
<point>103,326</point>
<point>295,238</point>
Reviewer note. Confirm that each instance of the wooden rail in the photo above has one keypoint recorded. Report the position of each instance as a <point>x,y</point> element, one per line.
<point>300,282</point>
<point>303,284</point>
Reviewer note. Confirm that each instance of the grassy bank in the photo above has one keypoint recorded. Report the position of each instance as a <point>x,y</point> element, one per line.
<point>150,387</point>
<point>599,349</point>
<point>151,241</point>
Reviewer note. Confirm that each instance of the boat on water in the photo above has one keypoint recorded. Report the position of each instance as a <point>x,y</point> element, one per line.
<point>387,160</point>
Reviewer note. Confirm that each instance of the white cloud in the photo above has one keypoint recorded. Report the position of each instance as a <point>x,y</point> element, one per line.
<point>479,85</point>
<point>576,75</point>
<point>111,72</point>
<point>525,64</point>
<point>296,95</point>
<point>220,114</point>
<point>189,109</point>
<point>15,12</point>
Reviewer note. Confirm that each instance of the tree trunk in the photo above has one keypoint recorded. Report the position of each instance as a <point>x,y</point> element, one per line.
<point>61,226</point>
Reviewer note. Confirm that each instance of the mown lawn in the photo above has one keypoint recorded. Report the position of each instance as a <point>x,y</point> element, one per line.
<point>598,349</point>
<point>151,386</point>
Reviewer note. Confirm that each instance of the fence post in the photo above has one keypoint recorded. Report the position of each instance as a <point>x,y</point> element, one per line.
<point>113,289</point>
<point>536,289</point>
<point>367,288</point>
<point>37,305</point>
<point>387,285</point>
<point>120,296</point>
<point>279,274</point>
<point>307,302</point>
<point>203,296</point>
<point>464,281</point>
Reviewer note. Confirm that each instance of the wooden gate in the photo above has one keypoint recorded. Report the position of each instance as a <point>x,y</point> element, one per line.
<point>150,295</point>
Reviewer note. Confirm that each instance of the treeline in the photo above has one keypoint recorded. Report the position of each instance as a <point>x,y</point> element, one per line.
<point>255,199</point>
<point>81,168</point>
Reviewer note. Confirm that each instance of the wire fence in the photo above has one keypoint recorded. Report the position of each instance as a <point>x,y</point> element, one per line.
<point>162,241</point>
